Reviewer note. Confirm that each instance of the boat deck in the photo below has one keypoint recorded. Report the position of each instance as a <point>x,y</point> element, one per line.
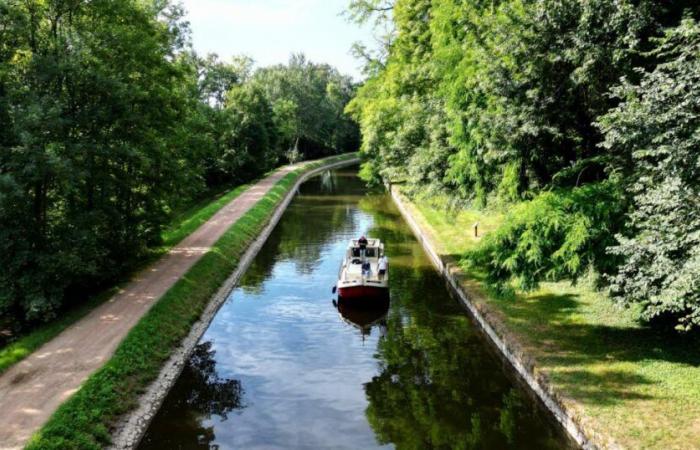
<point>353,272</point>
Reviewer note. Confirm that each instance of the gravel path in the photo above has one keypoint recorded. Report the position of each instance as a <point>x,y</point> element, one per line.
<point>33,389</point>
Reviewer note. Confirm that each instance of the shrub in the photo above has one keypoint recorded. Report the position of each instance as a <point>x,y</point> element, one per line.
<point>556,235</point>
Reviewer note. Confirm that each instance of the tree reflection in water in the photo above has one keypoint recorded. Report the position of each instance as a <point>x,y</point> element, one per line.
<point>199,395</point>
<point>437,388</point>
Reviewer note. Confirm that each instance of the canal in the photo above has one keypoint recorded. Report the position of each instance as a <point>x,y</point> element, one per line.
<point>280,367</point>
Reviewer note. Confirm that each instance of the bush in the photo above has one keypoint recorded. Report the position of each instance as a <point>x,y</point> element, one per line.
<point>556,235</point>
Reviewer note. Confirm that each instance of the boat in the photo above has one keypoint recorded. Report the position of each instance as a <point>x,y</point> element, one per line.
<point>359,282</point>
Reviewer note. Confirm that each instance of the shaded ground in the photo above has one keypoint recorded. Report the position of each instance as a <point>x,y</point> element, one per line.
<point>34,388</point>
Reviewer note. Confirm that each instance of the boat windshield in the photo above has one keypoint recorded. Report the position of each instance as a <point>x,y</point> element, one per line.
<point>373,249</point>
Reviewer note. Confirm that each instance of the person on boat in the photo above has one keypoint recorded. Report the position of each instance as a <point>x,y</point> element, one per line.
<point>366,268</point>
<point>382,266</point>
<point>362,242</point>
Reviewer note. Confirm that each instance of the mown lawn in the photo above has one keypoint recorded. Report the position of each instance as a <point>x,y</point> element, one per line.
<point>637,385</point>
<point>84,420</point>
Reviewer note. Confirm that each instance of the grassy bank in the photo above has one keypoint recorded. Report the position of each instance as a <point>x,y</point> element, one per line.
<point>630,384</point>
<point>188,220</point>
<point>84,420</point>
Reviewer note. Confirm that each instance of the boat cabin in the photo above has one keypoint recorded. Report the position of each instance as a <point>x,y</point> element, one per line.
<point>362,262</point>
<point>373,250</point>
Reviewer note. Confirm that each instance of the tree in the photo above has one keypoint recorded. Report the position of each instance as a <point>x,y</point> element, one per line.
<point>250,137</point>
<point>308,101</point>
<point>85,161</point>
<point>654,134</point>
<point>109,122</point>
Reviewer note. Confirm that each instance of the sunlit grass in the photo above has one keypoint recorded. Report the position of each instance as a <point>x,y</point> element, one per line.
<point>85,419</point>
<point>638,385</point>
<point>456,227</point>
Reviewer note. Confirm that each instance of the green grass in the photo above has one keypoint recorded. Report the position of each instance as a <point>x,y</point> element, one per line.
<point>187,221</point>
<point>638,385</point>
<point>84,420</point>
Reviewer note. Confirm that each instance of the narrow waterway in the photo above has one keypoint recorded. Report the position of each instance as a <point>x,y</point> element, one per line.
<point>280,367</point>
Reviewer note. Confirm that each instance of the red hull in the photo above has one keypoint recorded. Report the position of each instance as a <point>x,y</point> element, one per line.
<point>364,296</point>
<point>361,291</point>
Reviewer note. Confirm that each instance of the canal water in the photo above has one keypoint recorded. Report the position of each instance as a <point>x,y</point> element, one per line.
<point>281,367</point>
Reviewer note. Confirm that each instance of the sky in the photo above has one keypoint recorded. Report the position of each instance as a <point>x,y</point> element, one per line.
<point>270,30</point>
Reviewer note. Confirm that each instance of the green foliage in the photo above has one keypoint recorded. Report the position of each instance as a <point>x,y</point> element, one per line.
<point>497,103</point>
<point>557,235</point>
<point>655,128</point>
<point>515,86</point>
<point>87,159</point>
<point>109,123</point>
<point>308,101</point>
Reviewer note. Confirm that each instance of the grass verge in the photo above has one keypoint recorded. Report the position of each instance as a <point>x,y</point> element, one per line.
<point>187,221</point>
<point>84,420</point>
<point>628,383</point>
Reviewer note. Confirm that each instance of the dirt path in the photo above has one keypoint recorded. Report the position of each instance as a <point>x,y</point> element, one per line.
<point>34,388</point>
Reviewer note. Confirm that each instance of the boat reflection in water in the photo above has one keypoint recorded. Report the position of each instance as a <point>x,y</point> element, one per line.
<point>364,319</point>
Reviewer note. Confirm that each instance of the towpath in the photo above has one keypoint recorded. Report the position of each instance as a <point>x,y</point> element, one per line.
<point>33,389</point>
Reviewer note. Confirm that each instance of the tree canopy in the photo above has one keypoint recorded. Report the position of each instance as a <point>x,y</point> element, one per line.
<point>109,122</point>
<point>578,117</point>
<point>656,127</point>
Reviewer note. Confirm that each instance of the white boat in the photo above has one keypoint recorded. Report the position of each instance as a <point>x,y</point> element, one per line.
<point>360,282</point>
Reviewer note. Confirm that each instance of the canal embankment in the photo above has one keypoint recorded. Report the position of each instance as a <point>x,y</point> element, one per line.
<point>609,380</point>
<point>507,345</point>
<point>88,417</point>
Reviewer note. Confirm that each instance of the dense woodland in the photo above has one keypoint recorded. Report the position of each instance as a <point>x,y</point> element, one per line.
<point>110,124</point>
<point>579,119</point>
